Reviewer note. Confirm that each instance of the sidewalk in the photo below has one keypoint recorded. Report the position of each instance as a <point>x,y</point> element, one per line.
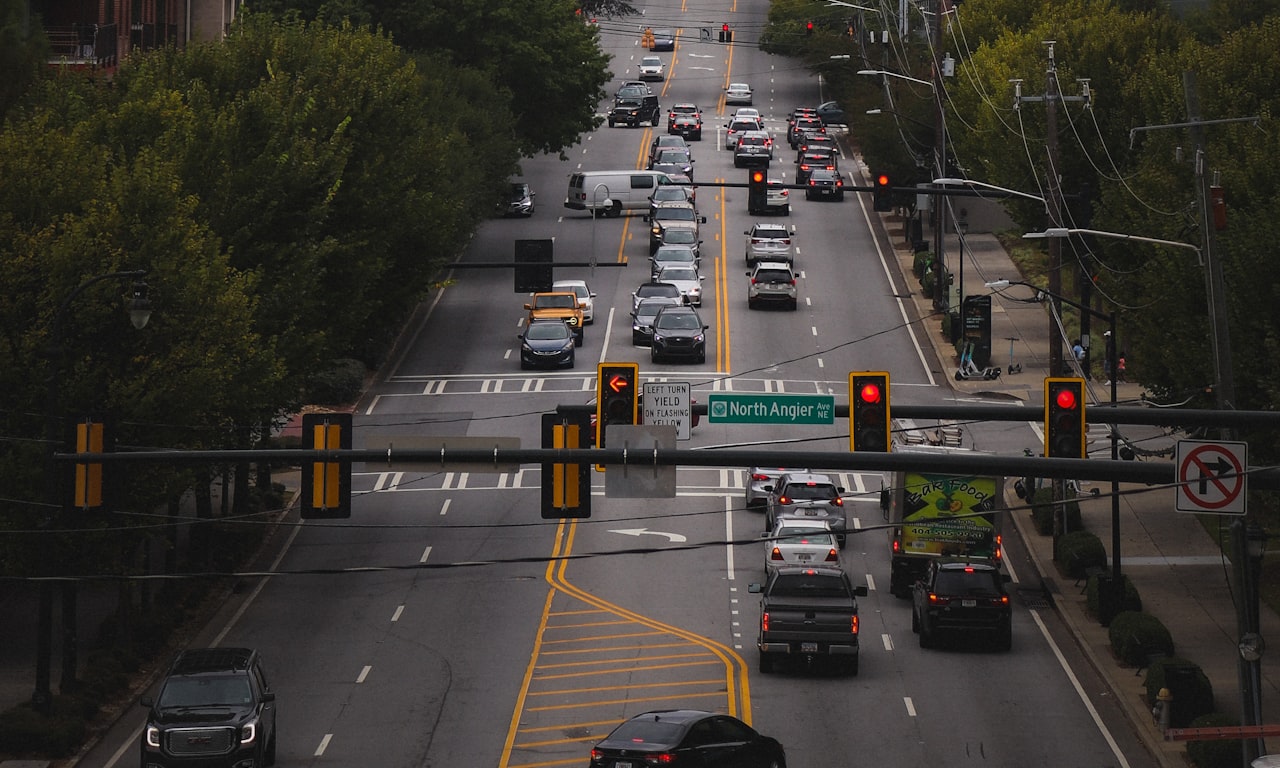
<point>1176,567</point>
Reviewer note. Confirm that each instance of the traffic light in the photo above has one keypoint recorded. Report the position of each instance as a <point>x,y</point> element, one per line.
<point>882,196</point>
<point>617,396</point>
<point>1218,200</point>
<point>326,485</point>
<point>808,27</point>
<point>91,436</point>
<point>726,35</point>
<point>1064,423</point>
<point>757,191</point>
<point>869,411</point>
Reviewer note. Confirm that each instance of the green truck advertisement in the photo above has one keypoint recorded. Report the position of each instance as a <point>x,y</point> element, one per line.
<point>935,515</point>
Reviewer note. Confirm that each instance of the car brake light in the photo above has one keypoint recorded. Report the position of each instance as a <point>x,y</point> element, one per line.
<point>832,557</point>
<point>662,758</point>
<point>784,500</point>
<point>758,476</point>
<point>838,501</point>
<point>853,623</point>
<point>936,599</point>
<point>897,546</point>
<point>813,183</point>
<point>776,554</point>
<point>596,754</point>
<point>764,621</point>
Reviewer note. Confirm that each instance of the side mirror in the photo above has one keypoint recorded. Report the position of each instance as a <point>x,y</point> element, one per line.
<point>754,589</point>
<point>747,273</point>
<point>528,306</point>
<point>860,590</point>
<point>703,220</point>
<point>647,217</point>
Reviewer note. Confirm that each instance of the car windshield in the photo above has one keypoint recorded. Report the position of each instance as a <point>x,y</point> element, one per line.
<point>676,214</point>
<point>957,582</point>
<point>205,691</point>
<point>548,331</point>
<point>557,302</point>
<point>646,732</point>
<point>669,321</point>
<point>680,236</point>
<point>670,193</point>
<point>679,273</point>
<point>651,61</point>
<point>809,585</point>
<point>673,156</point>
<point>811,492</point>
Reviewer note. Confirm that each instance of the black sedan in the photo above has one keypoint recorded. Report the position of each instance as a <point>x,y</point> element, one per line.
<point>546,344</point>
<point>687,737</point>
<point>678,332</point>
<point>824,183</point>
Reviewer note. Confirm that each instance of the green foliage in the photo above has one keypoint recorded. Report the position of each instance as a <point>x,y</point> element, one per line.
<point>1215,753</point>
<point>1191,689</point>
<point>1042,510</point>
<point>1137,637</point>
<point>1079,550</point>
<point>339,384</point>
<point>1130,601</point>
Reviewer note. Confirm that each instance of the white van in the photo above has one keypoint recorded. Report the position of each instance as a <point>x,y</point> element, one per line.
<point>612,192</point>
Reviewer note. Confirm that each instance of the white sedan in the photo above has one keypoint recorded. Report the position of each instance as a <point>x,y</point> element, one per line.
<point>586,298</point>
<point>652,68</point>
<point>738,93</point>
<point>686,279</point>
<point>800,542</point>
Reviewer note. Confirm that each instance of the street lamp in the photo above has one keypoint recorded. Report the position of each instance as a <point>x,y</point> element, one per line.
<point>940,298</point>
<point>1250,542</point>
<point>139,315</point>
<point>1117,583</point>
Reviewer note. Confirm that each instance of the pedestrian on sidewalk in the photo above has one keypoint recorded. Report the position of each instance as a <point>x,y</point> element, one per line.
<point>1120,370</point>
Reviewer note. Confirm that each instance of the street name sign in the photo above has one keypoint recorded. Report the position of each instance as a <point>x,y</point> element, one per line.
<point>1212,477</point>
<point>771,409</point>
<point>669,402</point>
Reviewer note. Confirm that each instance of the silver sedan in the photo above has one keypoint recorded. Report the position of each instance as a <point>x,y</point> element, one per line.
<point>800,542</point>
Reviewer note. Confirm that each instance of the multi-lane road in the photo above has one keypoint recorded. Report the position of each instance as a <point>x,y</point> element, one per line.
<point>452,626</point>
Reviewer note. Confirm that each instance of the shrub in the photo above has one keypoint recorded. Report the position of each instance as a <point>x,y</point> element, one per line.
<point>1135,636</point>
<point>1131,601</point>
<point>1079,551</point>
<point>1191,689</point>
<point>1216,753</point>
<point>25,731</point>
<point>341,383</point>
<point>1042,512</point>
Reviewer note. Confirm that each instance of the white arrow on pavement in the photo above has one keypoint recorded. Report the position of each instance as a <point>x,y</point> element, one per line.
<point>674,537</point>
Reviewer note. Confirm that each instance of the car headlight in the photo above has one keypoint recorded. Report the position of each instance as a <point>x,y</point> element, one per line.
<point>248,732</point>
<point>699,338</point>
<point>153,736</point>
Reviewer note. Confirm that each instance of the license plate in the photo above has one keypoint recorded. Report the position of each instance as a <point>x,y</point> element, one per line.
<point>808,647</point>
<point>622,764</point>
<point>968,603</point>
<point>804,557</point>
<point>811,512</point>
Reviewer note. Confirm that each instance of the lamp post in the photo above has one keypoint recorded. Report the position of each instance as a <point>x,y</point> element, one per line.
<point>1117,583</point>
<point>940,298</point>
<point>1249,544</point>
<point>139,314</point>
<point>595,214</point>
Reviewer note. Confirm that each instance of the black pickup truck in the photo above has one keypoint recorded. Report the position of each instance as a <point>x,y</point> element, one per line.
<point>633,105</point>
<point>809,612</point>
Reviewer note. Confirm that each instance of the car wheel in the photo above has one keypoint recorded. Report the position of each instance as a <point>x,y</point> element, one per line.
<point>792,305</point>
<point>1006,638</point>
<point>851,667</point>
<point>578,338</point>
<point>751,304</point>
<point>611,122</point>
<point>616,209</point>
<point>915,622</point>
<point>926,636</point>
<point>766,663</point>
<point>524,366</point>
<point>573,359</point>
<point>786,209</point>
<point>270,757</point>
<point>702,357</point>
<point>839,196</point>
<point>653,355</point>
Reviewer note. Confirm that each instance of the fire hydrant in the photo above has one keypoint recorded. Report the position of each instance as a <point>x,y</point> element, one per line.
<point>1163,708</point>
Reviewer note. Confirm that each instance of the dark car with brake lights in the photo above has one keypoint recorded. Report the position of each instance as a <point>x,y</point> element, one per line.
<point>808,495</point>
<point>824,183</point>
<point>963,597</point>
<point>642,318</point>
<point>688,126</point>
<point>686,737</point>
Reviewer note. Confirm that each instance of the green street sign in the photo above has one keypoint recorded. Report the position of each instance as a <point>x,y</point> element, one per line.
<point>771,409</point>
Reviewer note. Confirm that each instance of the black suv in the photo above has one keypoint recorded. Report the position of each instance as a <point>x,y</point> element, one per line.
<point>633,105</point>
<point>963,596</point>
<point>215,708</point>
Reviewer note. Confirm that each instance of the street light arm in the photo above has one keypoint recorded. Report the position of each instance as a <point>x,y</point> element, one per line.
<point>972,183</point>
<point>831,3</point>
<point>887,73</point>
<point>1066,232</point>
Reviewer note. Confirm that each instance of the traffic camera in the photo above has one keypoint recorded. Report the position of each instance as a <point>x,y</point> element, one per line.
<point>617,396</point>
<point>869,411</point>
<point>882,196</point>
<point>1064,421</point>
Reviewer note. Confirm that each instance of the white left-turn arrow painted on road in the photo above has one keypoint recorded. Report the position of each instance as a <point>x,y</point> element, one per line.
<point>674,537</point>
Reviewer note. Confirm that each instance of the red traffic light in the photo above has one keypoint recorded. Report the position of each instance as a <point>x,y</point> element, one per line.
<point>870,393</point>
<point>808,27</point>
<point>757,176</point>
<point>1066,399</point>
<point>619,383</point>
<point>882,180</point>
<point>724,27</point>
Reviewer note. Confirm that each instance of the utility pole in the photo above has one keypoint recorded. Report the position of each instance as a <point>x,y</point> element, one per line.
<point>941,291</point>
